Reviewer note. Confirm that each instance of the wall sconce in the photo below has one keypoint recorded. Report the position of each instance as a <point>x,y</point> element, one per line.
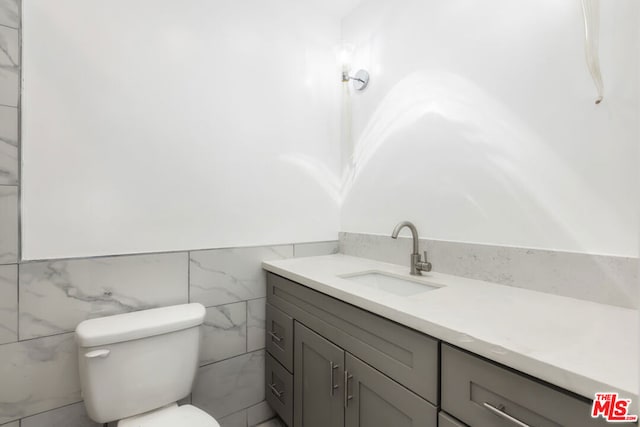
<point>361,78</point>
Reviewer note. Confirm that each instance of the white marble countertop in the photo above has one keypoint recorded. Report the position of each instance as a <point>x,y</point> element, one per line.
<point>578,345</point>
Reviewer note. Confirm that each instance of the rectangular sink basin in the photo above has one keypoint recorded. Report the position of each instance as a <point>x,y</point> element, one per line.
<point>389,283</point>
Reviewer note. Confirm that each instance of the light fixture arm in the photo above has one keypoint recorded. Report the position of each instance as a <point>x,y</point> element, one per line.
<point>360,80</point>
<point>346,77</point>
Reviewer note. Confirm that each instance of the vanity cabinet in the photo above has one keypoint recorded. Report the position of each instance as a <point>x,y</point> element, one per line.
<point>349,367</point>
<point>331,364</point>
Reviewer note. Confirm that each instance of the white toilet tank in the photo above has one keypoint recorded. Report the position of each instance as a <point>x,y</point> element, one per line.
<point>136,362</point>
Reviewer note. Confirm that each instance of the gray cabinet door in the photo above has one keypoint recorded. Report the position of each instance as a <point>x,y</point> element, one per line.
<point>374,400</point>
<point>318,372</point>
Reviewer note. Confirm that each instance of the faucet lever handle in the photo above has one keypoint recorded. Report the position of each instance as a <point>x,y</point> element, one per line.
<point>425,265</point>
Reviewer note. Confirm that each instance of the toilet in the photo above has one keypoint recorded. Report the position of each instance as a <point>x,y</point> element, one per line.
<point>135,367</point>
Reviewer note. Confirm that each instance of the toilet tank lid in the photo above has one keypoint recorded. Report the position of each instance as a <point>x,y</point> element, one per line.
<point>138,324</point>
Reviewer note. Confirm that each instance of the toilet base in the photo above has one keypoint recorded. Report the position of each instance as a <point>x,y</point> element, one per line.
<point>171,416</point>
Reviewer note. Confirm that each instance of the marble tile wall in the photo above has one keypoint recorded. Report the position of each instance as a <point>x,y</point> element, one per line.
<point>8,224</point>
<point>250,417</point>
<point>8,145</point>
<point>259,413</point>
<point>20,362</point>
<point>603,279</point>
<point>224,324</point>
<point>42,302</point>
<point>73,415</point>
<point>8,303</point>
<point>38,375</point>
<point>10,13</point>
<point>223,276</point>
<point>239,419</point>
<point>9,119</point>
<point>9,61</point>
<point>256,317</point>
<point>231,385</point>
<point>57,295</point>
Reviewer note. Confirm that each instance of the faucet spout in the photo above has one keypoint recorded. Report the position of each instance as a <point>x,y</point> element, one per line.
<point>414,233</point>
<point>417,264</point>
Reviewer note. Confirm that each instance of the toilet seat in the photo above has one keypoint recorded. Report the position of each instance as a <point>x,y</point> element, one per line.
<point>171,416</point>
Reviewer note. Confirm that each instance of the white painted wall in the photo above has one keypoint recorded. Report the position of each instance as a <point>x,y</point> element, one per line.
<point>337,8</point>
<point>480,124</point>
<point>155,125</point>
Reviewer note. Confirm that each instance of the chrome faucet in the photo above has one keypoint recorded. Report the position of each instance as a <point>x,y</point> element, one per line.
<point>417,265</point>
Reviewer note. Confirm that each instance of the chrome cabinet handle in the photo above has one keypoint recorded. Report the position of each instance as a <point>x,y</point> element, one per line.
<point>347,396</point>
<point>275,336</point>
<point>275,391</point>
<point>334,386</point>
<point>499,411</point>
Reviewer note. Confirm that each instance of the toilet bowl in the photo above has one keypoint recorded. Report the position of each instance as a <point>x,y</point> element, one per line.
<point>171,416</point>
<point>134,367</point>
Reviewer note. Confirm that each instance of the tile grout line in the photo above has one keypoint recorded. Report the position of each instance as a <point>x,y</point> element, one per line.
<point>189,277</point>
<point>19,124</point>
<point>177,251</point>
<point>233,357</point>
<point>36,338</point>
<point>19,166</point>
<point>43,412</point>
<point>19,23</point>
<point>246,326</point>
<point>246,409</point>
<point>18,302</point>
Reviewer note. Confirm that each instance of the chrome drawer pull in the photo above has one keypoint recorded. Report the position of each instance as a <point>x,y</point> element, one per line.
<point>274,336</point>
<point>347,396</point>
<point>498,411</point>
<point>334,386</point>
<point>275,391</point>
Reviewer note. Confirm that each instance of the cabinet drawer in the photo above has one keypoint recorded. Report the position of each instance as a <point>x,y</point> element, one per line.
<point>279,389</point>
<point>279,339</point>
<point>407,356</point>
<point>445,420</point>
<point>483,394</point>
